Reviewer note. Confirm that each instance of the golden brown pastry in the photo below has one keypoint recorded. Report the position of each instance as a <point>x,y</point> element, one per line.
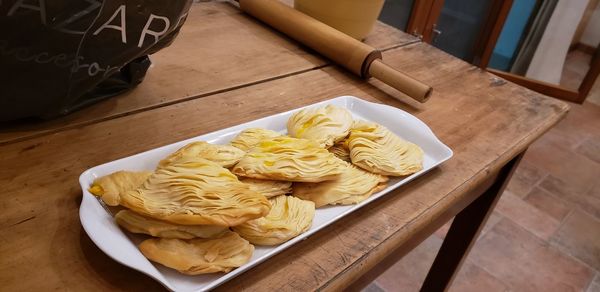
<point>248,138</point>
<point>199,256</point>
<point>223,155</point>
<point>341,150</point>
<point>137,223</point>
<point>288,218</point>
<point>354,186</point>
<point>195,191</point>
<point>326,125</point>
<point>110,187</point>
<point>268,188</point>
<point>289,159</point>
<point>376,149</point>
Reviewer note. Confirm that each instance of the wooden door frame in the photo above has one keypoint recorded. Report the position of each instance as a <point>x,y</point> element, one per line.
<point>423,18</point>
<point>422,22</point>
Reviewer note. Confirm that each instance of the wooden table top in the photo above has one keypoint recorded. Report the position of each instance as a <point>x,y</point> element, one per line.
<point>225,69</point>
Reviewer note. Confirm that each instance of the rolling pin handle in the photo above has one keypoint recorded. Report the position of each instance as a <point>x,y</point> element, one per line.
<point>400,81</point>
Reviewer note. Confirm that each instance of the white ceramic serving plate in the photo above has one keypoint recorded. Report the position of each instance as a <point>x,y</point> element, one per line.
<point>121,246</point>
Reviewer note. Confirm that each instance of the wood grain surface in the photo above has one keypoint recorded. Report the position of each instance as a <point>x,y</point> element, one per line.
<point>219,48</point>
<point>484,120</point>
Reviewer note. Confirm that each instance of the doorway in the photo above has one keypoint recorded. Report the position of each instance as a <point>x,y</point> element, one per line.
<point>550,46</point>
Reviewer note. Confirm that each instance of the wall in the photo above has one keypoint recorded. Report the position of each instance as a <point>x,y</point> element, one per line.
<point>591,34</point>
<point>589,10</point>
<point>549,58</point>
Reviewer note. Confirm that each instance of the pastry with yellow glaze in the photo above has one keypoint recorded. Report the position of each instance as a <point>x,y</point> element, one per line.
<point>288,218</point>
<point>224,155</point>
<point>353,186</point>
<point>376,149</point>
<point>137,223</point>
<point>199,256</point>
<point>248,138</point>
<point>289,159</point>
<point>194,191</point>
<point>325,125</point>
<point>268,188</point>
<point>110,187</point>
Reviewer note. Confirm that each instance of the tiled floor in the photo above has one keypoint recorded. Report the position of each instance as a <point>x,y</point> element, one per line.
<point>544,234</point>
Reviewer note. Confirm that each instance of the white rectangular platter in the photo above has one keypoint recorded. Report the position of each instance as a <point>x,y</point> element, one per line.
<point>122,247</point>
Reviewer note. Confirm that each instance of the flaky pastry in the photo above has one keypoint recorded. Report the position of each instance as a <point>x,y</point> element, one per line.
<point>136,223</point>
<point>341,150</point>
<point>268,188</point>
<point>378,150</point>
<point>110,187</point>
<point>290,159</point>
<point>199,256</point>
<point>248,138</point>
<point>289,217</point>
<point>353,186</point>
<point>224,155</point>
<point>194,191</point>
<point>326,125</point>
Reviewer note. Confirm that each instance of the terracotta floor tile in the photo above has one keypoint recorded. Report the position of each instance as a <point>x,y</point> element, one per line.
<point>595,191</point>
<point>527,216</point>
<point>525,263</point>
<point>580,236</point>
<point>408,273</point>
<point>576,169</point>
<point>494,218</point>
<point>595,285</point>
<point>473,278</point>
<point>548,203</point>
<point>587,200</point>
<point>590,148</point>
<point>525,178</point>
<point>582,120</point>
<point>373,287</point>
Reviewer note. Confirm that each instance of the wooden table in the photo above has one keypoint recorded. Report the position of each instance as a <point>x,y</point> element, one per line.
<point>227,68</point>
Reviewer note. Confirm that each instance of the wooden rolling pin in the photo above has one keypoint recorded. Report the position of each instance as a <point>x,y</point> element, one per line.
<point>359,58</point>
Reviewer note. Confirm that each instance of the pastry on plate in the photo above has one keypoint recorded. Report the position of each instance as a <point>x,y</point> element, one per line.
<point>376,149</point>
<point>110,187</point>
<point>288,218</point>
<point>325,125</point>
<point>199,256</point>
<point>248,138</point>
<point>195,191</point>
<point>353,186</point>
<point>136,223</point>
<point>224,155</point>
<point>289,159</point>
<point>268,188</point>
<point>341,150</point>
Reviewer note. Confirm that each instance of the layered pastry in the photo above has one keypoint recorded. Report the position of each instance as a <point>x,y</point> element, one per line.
<point>224,155</point>
<point>250,137</point>
<point>325,125</point>
<point>289,217</point>
<point>110,187</point>
<point>353,186</point>
<point>199,256</point>
<point>268,188</point>
<point>289,159</point>
<point>137,223</point>
<point>376,149</point>
<point>341,150</point>
<point>193,191</point>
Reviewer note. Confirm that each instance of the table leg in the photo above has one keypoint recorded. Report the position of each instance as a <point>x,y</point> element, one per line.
<point>464,232</point>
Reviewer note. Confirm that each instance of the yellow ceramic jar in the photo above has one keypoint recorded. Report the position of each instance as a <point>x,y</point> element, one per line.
<point>353,17</point>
